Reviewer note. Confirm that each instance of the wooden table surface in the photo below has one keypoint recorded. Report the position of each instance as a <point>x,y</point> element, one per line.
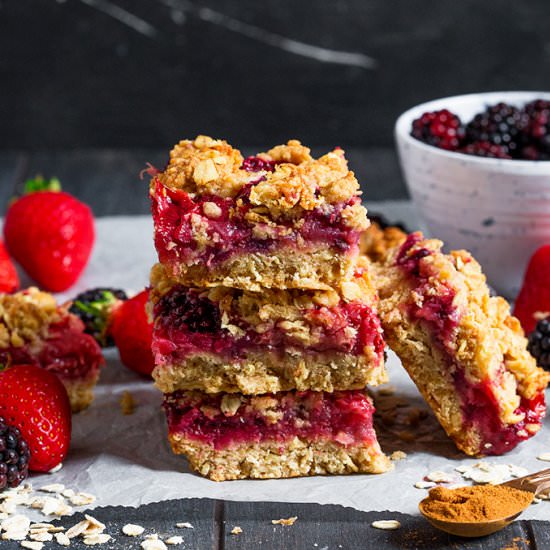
<point>108,181</point>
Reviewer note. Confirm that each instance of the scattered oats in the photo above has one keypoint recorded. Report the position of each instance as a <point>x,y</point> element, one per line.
<point>398,455</point>
<point>152,536</point>
<point>94,526</point>
<point>41,526</point>
<point>68,493</point>
<point>517,471</point>
<point>56,506</point>
<point>82,499</point>
<point>37,531</point>
<point>37,503</point>
<point>41,537</point>
<point>56,468</point>
<point>133,530</point>
<point>9,506</point>
<point>463,468</point>
<point>544,457</point>
<point>32,545</point>
<point>14,535</point>
<point>16,523</point>
<point>153,544</point>
<point>174,540</point>
<point>127,403</point>
<point>386,524</point>
<point>4,515</point>
<point>62,539</point>
<point>50,505</point>
<point>53,488</point>
<point>184,525</point>
<point>440,477</point>
<point>288,521</point>
<point>424,484</point>
<point>487,472</point>
<point>536,500</point>
<point>18,498</point>
<point>77,529</point>
<point>96,538</point>
<point>236,530</point>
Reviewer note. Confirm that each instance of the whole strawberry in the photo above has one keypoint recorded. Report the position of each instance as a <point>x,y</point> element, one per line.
<point>533,300</point>
<point>9,281</point>
<point>34,401</point>
<point>50,233</point>
<point>133,333</point>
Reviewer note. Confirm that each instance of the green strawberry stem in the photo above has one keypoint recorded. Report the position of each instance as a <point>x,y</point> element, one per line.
<point>39,183</point>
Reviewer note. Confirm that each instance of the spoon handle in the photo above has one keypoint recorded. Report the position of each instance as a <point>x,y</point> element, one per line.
<point>534,483</point>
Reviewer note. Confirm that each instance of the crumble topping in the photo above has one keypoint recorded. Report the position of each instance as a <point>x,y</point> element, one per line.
<point>25,316</point>
<point>207,166</point>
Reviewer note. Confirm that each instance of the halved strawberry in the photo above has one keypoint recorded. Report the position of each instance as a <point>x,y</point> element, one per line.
<point>35,402</point>
<point>534,296</point>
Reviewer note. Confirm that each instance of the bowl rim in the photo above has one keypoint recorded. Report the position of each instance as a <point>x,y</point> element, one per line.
<point>403,124</point>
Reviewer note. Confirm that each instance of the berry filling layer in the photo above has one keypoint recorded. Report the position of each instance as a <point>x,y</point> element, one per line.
<point>227,420</point>
<point>188,322</point>
<point>66,351</point>
<point>209,229</point>
<point>437,313</point>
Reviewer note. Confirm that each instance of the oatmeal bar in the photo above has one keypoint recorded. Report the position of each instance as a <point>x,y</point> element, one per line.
<point>281,219</point>
<point>35,330</point>
<point>287,434</point>
<point>232,340</point>
<point>465,352</point>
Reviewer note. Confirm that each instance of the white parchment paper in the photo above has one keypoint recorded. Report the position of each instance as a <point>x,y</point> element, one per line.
<point>126,460</point>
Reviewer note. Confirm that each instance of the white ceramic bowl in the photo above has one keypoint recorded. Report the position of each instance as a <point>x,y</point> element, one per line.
<point>497,209</point>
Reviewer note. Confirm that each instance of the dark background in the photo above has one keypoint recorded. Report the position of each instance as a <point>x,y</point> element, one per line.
<point>94,88</point>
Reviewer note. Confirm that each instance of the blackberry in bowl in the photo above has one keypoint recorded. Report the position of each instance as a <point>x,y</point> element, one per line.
<point>488,190</point>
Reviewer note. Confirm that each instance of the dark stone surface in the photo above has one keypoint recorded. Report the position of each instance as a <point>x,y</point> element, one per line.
<point>319,527</point>
<point>144,73</point>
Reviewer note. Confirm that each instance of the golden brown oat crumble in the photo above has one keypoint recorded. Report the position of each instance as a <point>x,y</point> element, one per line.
<point>488,343</point>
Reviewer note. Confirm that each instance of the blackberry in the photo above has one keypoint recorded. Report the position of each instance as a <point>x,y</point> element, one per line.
<point>186,309</point>
<point>256,164</point>
<point>501,125</point>
<point>537,132</point>
<point>485,149</point>
<point>441,129</point>
<point>14,456</point>
<point>94,308</point>
<point>539,343</point>
<point>384,223</point>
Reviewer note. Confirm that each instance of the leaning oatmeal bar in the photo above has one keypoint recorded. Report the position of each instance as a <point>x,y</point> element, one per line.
<point>288,434</point>
<point>35,330</point>
<point>281,219</point>
<point>465,352</point>
<point>233,340</point>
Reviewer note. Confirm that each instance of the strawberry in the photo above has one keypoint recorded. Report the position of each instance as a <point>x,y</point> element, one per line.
<point>50,233</point>
<point>9,281</point>
<point>133,333</point>
<point>35,402</point>
<point>534,296</point>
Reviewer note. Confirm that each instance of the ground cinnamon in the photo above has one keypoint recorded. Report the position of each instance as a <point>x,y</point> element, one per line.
<point>477,503</point>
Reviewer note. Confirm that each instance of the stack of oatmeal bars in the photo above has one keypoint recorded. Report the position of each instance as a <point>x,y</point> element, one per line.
<point>265,324</point>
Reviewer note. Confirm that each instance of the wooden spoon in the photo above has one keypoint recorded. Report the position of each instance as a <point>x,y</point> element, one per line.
<point>536,483</point>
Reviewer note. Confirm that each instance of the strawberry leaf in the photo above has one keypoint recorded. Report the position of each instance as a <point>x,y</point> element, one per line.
<point>39,183</point>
